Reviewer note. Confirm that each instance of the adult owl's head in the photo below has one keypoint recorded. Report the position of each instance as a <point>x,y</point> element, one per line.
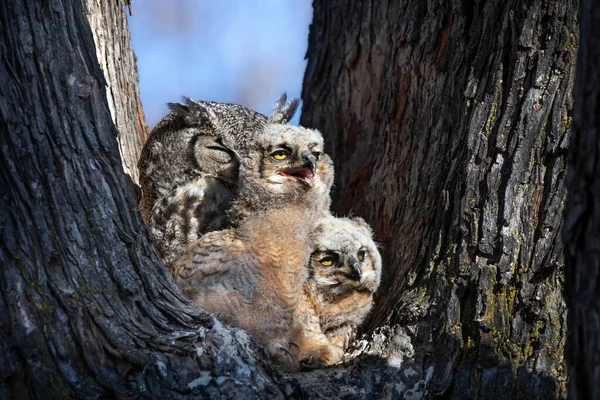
<point>344,256</point>
<point>217,132</point>
<point>286,164</point>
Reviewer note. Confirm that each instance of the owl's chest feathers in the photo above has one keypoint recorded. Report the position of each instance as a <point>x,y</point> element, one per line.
<point>326,295</point>
<point>284,264</point>
<point>348,308</point>
<point>279,239</point>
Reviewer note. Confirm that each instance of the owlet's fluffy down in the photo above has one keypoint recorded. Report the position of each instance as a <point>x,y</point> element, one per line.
<point>286,270</point>
<point>252,275</point>
<point>345,269</point>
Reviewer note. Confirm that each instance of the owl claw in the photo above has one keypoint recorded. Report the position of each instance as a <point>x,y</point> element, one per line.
<point>295,347</point>
<point>281,354</point>
<point>292,350</point>
<point>286,351</point>
<point>325,356</point>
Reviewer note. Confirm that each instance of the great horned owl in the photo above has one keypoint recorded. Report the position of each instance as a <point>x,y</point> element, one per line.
<point>345,269</point>
<point>189,168</point>
<point>252,274</point>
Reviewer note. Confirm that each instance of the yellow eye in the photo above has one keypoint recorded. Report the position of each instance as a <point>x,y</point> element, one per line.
<point>280,155</point>
<point>317,155</point>
<point>361,255</point>
<point>327,261</point>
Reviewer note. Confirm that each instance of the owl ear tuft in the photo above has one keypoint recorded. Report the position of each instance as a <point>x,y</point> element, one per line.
<point>284,110</point>
<point>194,113</point>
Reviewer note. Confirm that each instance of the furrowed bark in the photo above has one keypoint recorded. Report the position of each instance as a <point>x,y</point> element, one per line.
<point>86,309</point>
<point>448,124</point>
<point>113,48</point>
<point>581,229</point>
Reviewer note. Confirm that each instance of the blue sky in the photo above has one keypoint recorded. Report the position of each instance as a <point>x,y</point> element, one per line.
<point>238,51</point>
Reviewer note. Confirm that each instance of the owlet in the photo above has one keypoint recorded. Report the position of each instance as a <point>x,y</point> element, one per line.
<point>345,272</point>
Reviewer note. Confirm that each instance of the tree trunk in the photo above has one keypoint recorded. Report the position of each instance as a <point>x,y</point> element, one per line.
<point>582,221</point>
<point>115,55</point>
<point>86,309</point>
<point>468,208</point>
<point>448,124</point>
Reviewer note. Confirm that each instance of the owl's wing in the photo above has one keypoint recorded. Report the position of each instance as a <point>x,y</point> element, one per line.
<point>219,274</point>
<point>219,261</point>
<point>187,212</point>
<point>213,253</point>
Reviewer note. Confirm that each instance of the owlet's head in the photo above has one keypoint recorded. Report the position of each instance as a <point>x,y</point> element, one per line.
<point>344,256</point>
<point>286,165</point>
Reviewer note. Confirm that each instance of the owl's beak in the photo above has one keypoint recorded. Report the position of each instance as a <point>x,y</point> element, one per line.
<point>304,173</point>
<point>309,161</point>
<point>355,270</point>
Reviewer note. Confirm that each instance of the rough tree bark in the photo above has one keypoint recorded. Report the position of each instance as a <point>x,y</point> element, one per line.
<point>448,123</point>
<point>86,309</point>
<point>582,219</point>
<point>115,55</point>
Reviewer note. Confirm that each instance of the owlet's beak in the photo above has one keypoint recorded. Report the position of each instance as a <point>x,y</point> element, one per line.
<point>355,272</point>
<point>309,161</point>
<point>306,172</point>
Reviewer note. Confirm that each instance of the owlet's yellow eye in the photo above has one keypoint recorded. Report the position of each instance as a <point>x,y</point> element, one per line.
<point>361,255</point>
<point>280,155</point>
<point>327,261</point>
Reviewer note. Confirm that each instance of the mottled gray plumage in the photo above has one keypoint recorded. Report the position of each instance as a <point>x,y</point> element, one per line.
<point>189,168</point>
<point>252,274</point>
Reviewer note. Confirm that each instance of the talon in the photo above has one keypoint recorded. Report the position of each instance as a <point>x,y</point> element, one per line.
<point>282,356</point>
<point>307,365</point>
<point>294,346</point>
<point>286,351</point>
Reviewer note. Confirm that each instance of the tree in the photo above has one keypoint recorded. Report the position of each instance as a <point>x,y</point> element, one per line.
<point>448,124</point>
<point>87,310</point>
<point>581,228</point>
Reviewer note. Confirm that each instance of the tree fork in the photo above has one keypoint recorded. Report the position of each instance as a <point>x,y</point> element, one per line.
<point>448,124</point>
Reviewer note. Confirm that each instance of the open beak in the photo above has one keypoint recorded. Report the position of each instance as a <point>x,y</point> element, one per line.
<point>305,173</point>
